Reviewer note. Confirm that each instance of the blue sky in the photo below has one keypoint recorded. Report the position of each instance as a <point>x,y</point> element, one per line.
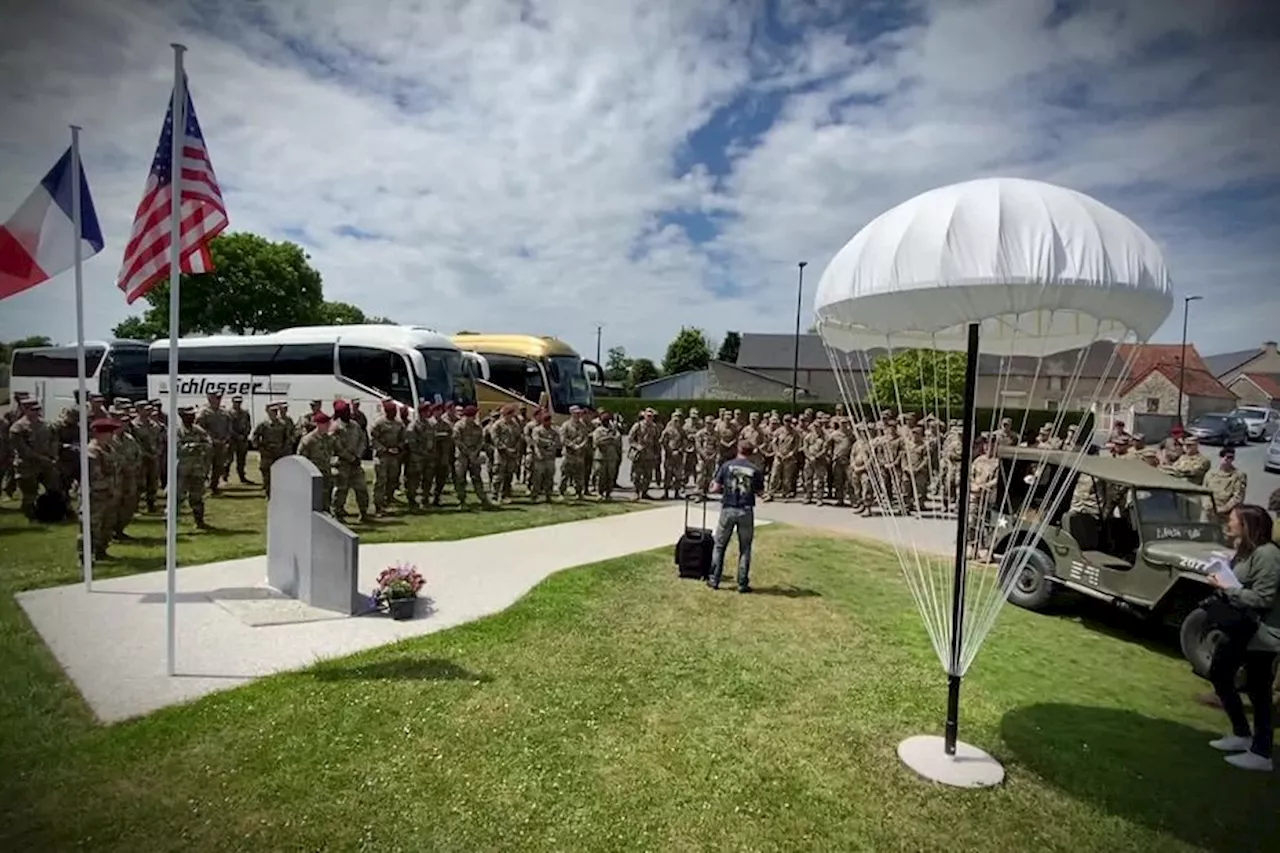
<point>545,166</point>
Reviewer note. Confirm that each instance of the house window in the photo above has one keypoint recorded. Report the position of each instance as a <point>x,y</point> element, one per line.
<point>1055,383</point>
<point>1153,405</point>
<point>1051,405</point>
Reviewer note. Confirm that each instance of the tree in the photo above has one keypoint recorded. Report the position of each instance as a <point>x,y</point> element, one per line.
<point>465,332</point>
<point>617,366</point>
<point>729,348</point>
<point>923,380</point>
<point>642,370</point>
<point>341,314</point>
<point>139,329</point>
<point>257,286</point>
<point>690,350</point>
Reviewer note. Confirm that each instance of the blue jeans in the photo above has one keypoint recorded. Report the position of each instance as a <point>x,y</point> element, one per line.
<point>743,521</point>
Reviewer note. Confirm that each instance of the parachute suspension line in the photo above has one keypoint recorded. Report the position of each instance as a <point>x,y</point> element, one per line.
<point>954,672</point>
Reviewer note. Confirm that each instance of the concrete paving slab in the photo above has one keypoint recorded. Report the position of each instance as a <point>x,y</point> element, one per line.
<point>111,641</point>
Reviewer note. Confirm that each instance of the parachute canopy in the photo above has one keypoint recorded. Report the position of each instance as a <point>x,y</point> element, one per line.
<point>1042,268</point>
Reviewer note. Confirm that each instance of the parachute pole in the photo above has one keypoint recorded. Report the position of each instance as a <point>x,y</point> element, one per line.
<point>954,670</point>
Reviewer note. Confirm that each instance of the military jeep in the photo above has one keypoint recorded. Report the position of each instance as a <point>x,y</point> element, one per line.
<point>1150,553</point>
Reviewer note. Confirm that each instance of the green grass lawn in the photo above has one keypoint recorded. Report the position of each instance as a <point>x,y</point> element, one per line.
<point>618,708</point>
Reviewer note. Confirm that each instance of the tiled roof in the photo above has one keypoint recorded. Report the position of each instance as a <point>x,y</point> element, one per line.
<point>1268,383</point>
<point>1222,364</point>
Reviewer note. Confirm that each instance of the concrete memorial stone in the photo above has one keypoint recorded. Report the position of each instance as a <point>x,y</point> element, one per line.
<point>310,555</point>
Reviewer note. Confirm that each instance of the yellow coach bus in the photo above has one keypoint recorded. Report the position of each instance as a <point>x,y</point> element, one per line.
<point>531,370</point>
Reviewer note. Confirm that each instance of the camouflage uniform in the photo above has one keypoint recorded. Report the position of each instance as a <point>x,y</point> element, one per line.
<point>468,442</point>
<point>419,450</point>
<point>506,436</point>
<point>862,490</point>
<point>217,425</point>
<point>35,457</point>
<point>707,451</point>
<point>1228,489</point>
<point>151,440</point>
<point>238,440</point>
<point>607,447</point>
<point>349,445</point>
<point>643,450</point>
<point>195,450</point>
<point>574,437</point>
<point>671,442</point>
<point>387,437</point>
<point>102,496</point>
<point>128,452</point>
<point>786,461</point>
<point>272,439</point>
<point>545,445</point>
<point>915,470</point>
<point>814,448</point>
<point>441,464</point>
<point>317,448</point>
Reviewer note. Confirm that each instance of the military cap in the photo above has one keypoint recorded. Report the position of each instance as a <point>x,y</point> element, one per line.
<point>104,425</point>
<point>389,405</point>
<point>34,406</point>
<point>271,407</point>
<point>317,403</point>
<point>355,401</point>
<point>509,409</point>
<point>1046,427</point>
<point>469,410</point>
<point>154,402</point>
<point>1190,439</point>
<point>606,416</point>
<point>20,395</point>
<point>186,411</point>
<point>320,418</point>
<point>424,406</point>
<point>217,394</point>
<point>574,409</point>
<point>237,399</point>
<point>339,406</point>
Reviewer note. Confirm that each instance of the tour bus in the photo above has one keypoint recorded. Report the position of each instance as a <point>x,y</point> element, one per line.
<point>113,368</point>
<point>531,370</point>
<point>366,362</point>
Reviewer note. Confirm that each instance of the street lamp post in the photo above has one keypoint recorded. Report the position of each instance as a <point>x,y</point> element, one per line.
<point>599,327</point>
<point>1182,368</point>
<point>795,360</point>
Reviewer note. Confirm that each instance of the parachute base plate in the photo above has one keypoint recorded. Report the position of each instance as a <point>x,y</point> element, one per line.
<point>970,767</point>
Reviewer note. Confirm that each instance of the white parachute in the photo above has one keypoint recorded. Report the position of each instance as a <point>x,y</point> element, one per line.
<point>1004,297</point>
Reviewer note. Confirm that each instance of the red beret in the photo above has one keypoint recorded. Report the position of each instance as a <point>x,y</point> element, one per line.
<point>340,406</point>
<point>390,405</point>
<point>105,425</point>
<point>469,410</point>
<point>321,417</point>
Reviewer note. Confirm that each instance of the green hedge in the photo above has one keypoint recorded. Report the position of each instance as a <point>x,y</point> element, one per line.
<point>630,407</point>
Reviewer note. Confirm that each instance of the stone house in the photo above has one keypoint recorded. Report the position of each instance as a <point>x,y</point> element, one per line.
<point>1253,375</point>
<point>1152,387</point>
<point>1256,389</point>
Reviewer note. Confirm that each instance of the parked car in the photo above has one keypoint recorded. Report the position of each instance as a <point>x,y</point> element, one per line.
<point>1272,461</point>
<point>1262,422</point>
<point>1219,428</point>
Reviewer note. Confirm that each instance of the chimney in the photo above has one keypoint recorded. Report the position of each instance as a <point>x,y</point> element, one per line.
<point>1269,347</point>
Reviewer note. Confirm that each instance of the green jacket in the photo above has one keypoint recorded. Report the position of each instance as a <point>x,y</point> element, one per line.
<point>1259,576</point>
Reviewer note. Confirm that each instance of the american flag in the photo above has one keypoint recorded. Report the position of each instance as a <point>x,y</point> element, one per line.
<point>146,259</point>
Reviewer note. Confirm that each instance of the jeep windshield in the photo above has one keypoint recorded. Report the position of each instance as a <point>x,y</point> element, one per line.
<point>1167,514</point>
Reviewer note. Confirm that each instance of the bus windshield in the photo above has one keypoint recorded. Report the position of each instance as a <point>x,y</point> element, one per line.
<point>569,385</point>
<point>448,379</point>
<point>125,373</point>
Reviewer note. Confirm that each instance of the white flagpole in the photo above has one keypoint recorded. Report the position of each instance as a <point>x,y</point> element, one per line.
<point>86,529</point>
<point>179,128</point>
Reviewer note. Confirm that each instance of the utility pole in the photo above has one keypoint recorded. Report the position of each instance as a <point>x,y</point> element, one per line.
<point>598,328</point>
<point>795,361</point>
<point>1182,369</point>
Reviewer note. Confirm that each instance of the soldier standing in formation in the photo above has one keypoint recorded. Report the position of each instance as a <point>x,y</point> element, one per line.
<point>575,438</point>
<point>387,438</point>
<point>195,455</point>
<point>349,445</point>
<point>272,439</point>
<point>607,444</point>
<point>35,456</point>
<point>317,446</point>
<point>468,442</point>
<point>241,429</point>
<point>217,425</point>
<point>506,436</point>
<point>644,452</point>
<point>545,443</point>
<point>102,479</point>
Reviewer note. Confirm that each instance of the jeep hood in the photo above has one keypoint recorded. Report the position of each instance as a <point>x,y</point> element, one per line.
<point>1181,554</point>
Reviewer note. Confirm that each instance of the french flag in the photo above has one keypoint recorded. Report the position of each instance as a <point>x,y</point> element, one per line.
<point>38,241</point>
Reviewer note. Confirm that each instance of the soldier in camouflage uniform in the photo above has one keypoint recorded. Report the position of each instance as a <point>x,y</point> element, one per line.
<point>8,473</point>
<point>419,450</point>
<point>671,444</point>
<point>317,446</point>
<point>863,491</point>
<point>307,421</point>
<point>272,439</point>
<point>1192,465</point>
<point>606,445</point>
<point>915,469</point>
<point>839,449</point>
<point>387,437</point>
<point>545,442</point>
<point>195,449</point>
<point>238,442</point>
<point>349,445</point>
<point>984,476</point>
<point>217,425</point>
<point>574,436</point>
<point>101,487</point>
<point>442,458</point>
<point>67,435</point>
<point>1228,484</point>
<point>35,456</point>
<point>295,432</point>
<point>727,437</point>
<point>643,449</point>
<point>129,452</point>
<point>706,448</point>
<point>150,436</point>
<point>506,435</point>
<point>755,435</point>
<point>468,444</point>
<point>814,448</point>
<point>786,460</point>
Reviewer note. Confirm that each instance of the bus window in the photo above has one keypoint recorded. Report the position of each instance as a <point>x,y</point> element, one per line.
<point>517,375</point>
<point>56,362</point>
<point>569,385</point>
<point>447,378</point>
<point>385,373</point>
<point>303,360</point>
<point>124,374</point>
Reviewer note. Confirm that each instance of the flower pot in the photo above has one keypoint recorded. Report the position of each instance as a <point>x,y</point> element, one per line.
<point>402,608</point>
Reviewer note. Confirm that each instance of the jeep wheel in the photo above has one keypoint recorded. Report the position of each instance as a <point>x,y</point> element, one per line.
<point>1033,588</point>
<point>1199,642</point>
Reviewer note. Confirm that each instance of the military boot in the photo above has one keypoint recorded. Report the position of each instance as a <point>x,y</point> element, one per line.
<point>199,519</point>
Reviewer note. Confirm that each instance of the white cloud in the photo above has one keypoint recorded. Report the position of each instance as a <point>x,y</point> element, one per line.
<point>514,158</point>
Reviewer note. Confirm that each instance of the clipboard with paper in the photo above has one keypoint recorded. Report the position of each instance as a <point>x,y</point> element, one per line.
<point>1220,567</point>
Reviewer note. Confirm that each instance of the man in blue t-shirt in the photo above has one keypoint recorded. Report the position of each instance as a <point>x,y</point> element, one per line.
<point>738,481</point>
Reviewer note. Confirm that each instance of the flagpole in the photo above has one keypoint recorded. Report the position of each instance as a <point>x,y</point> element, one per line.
<point>179,109</point>
<point>86,529</point>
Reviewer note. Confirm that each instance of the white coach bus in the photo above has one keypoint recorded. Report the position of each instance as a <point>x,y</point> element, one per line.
<point>115,368</point>
<point>370,362</point>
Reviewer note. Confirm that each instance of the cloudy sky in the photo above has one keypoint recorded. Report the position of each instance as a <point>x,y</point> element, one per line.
<point>549,165</point>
